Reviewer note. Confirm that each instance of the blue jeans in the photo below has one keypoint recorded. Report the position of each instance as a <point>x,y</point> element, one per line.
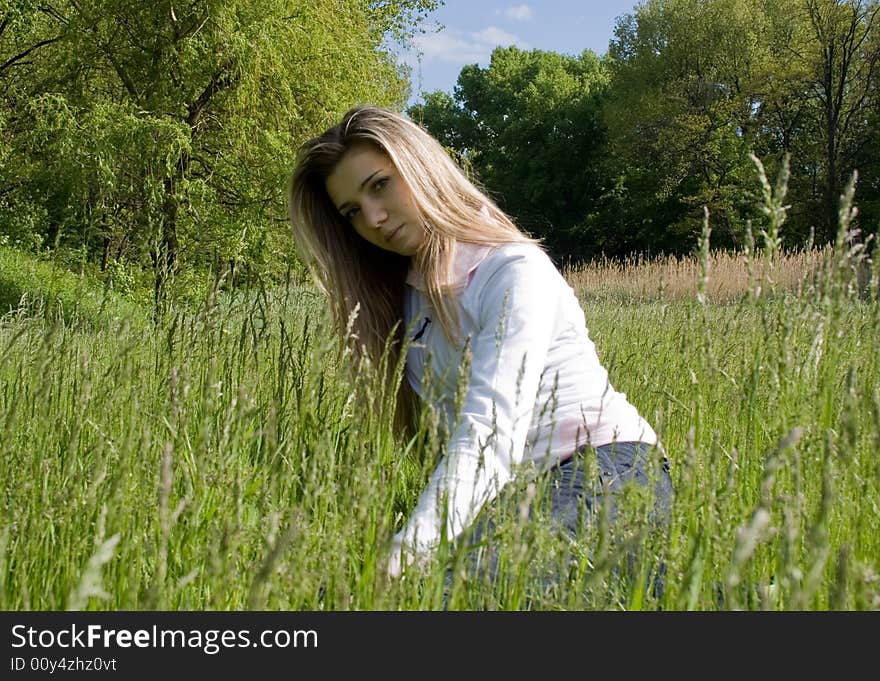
<point>570,493</point>
<point>581,490</point>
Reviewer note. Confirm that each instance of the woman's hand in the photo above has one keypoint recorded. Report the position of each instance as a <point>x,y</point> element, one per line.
<point>394,565</point>
<point>397,560</point>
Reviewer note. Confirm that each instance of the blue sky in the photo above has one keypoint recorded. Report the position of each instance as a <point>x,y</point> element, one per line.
<point>472,28</point>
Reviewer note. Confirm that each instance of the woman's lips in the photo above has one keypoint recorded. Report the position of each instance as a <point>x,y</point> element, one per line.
<point>394,233</point>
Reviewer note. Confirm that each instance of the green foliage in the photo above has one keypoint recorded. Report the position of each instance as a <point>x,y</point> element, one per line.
<point>698,86</point>
<point>529,127</point>
<point>98,172</point>
<point>162,134</point>
<point>681,116</point>
<point>33,287</point>
<point>622,155</point>
<point>842,61</point>
<point>399,19</point>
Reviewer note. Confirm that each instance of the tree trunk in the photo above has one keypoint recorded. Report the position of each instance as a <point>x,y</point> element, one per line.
<point>832,186</point>
<point>165,255</point>
<point>105,253</point>
<point>165,258</point>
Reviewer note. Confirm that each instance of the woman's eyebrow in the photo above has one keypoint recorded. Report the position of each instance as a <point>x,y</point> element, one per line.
<point>369,177</point>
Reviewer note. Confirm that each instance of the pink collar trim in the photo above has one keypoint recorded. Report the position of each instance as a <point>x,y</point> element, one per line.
<point>467,257</point>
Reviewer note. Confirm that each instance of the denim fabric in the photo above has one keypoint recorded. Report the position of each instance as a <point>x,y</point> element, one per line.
<point>571,493</point>
<point>574,493</point>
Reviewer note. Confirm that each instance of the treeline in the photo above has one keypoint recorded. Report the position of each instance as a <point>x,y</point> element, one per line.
<point>157,137</point>
<point>152,141</point>
<point>620,154</point>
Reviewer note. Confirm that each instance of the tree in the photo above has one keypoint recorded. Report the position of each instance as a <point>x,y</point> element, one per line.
<point>529,127</point>
<point>26,34</point>
<point>846,58</point>
<point>698,85</point>
<point>687,83</point>
<point>866,155</point>
<point>183,118</point>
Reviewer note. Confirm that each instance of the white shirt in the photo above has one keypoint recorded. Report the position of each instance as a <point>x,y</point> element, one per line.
<point>535,389</point>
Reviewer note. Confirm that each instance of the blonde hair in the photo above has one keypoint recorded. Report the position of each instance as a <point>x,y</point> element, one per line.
<point>366,284</point>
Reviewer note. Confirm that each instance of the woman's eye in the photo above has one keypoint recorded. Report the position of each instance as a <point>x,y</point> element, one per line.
<point>381,183</point>
<point>349,215</point>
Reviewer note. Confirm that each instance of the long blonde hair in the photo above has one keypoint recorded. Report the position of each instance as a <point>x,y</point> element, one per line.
<point>366,284</point>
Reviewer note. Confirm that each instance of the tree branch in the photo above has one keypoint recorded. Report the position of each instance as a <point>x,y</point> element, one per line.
<point>22,55</point>
<point>221,80</point>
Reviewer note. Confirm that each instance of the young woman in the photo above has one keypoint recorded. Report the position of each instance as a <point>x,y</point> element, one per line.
<point>391,226</point>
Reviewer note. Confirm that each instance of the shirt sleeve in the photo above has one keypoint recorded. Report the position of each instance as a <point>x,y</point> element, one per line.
<point>516,317</point>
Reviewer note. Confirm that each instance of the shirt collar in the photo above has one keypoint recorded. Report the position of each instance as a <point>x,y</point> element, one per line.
<point>466,258</point>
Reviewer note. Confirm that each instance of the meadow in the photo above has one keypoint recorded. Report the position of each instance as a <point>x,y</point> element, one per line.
<point>227,458</point>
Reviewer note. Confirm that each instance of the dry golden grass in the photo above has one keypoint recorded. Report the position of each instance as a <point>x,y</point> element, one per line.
<point>730,276</point>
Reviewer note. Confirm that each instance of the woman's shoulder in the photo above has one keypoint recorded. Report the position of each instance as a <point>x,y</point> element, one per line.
<point>509,267</point>
<point>516,259</point>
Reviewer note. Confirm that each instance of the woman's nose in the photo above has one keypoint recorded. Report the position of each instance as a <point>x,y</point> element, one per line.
<point>376,215</point>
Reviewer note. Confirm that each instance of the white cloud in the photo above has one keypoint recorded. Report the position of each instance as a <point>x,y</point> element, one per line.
<point>495,36</point>
<point>518,12</point>
<point>457,47</point>
<point>447,46</point>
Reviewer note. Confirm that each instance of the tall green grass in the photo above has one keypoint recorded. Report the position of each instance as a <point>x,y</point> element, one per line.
<point>228,459</point>
<point>42,288</point>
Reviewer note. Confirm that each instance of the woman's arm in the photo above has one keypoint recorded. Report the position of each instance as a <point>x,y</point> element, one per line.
<point>517,317</point>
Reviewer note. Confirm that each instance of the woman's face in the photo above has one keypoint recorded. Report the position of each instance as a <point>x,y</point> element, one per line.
<point>368,191</point>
